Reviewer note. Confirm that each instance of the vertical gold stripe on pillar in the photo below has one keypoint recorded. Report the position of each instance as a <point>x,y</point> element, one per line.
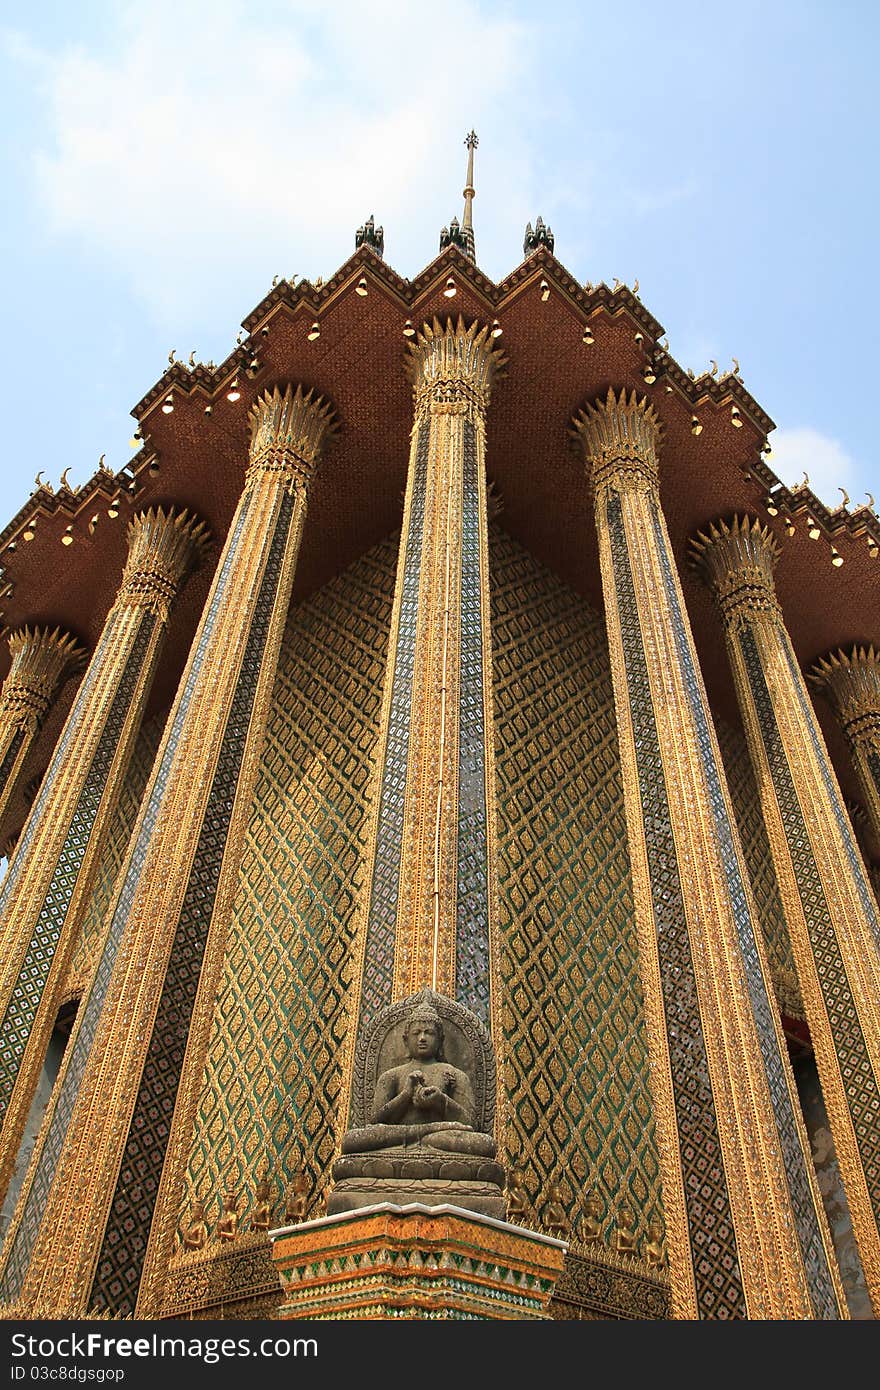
<point>40,661</point>
<point>830,909</point>
<point>168,930</point>
<point>745,1231</point>
<point>430,918</point>
<point>53,870</point>
<point>445,915</point>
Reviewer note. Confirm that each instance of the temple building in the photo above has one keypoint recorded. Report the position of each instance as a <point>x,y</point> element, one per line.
<point>440,776</point>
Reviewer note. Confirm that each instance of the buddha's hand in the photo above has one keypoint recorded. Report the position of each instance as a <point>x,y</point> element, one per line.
<point>427,1097</point>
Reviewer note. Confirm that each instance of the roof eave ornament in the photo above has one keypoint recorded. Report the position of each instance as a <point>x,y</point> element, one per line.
<point>538,236</point>
<point>370,235</point>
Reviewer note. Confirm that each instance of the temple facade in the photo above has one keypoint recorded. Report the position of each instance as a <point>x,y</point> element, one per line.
<point>448,653</point>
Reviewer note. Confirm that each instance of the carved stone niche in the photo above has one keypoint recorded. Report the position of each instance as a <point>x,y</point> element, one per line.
<point>445,1154</point>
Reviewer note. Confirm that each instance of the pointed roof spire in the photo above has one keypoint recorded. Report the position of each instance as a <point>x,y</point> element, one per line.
<point>462,234</point>
<point>471,142</point>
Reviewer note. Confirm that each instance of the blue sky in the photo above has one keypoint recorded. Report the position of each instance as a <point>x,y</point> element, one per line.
<point>162,161</point>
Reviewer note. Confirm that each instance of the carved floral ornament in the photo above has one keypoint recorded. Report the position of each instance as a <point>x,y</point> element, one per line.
<point>620,437</point>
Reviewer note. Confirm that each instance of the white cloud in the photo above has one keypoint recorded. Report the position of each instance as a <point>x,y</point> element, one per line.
<point>218,141</point>
<point>825,461</point>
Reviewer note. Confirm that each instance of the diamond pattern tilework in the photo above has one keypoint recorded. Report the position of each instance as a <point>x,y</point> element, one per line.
<point>472,923</point>
<point>125,1238</point>
<point>578,1100</point>
<point>759,862</point>
<point>51,1141</point>
<point>379,959</point>
<point>873,762</point>
<point>94,922</point>
<point>273,1072</point>
<point>11,754</point>
<point>861,1089</point>
<point>763,1006</point>
<point>58,759</point>
<point>26,996</point>
<point>856,862</point>
<point>712,1237</point>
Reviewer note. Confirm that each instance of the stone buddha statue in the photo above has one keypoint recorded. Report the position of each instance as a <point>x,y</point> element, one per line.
<point>425,1098</point>
<point>423,1135</point>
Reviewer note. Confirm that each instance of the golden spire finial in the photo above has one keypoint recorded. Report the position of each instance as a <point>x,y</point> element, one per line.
<point>471,142</point>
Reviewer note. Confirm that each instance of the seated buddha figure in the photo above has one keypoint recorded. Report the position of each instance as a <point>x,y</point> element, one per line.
<point>424,1100</point>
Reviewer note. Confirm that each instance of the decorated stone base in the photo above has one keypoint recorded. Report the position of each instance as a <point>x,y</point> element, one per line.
<point>413,1262</point>
<point>421,1175</point>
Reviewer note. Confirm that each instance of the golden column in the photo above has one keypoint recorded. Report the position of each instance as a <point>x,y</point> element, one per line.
<point>92,1188</point>
<point>851,683</point>
<point>52,871</point>
<point>746,1234</point>
<point>829,906</point>
<point>431,919</point>
<point>40,659</point>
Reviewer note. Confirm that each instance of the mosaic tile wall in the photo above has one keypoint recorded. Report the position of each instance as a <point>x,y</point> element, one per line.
<point>120,1260</point>
<point>94,919</point>
<point>578,1101</point>
<point>272,1078</point>
<point>759,862</point>
<point>579,1108</point>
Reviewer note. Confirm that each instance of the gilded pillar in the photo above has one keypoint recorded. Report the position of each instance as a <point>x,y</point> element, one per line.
<point>431,918</point>
<point>829,906</point>
<point>52,871</point>
<point>40,661</point>
<point>746,1234</point>
<point>129,1088</point>
<point>851,683</point>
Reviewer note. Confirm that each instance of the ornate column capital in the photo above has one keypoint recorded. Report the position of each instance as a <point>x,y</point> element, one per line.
<point>736,559</point>
<point>452,368</point>
<point>288,432</point>
<point>40,659</point>
<point>620,437</point>
<point>851,683</point>
<point>164,546</point>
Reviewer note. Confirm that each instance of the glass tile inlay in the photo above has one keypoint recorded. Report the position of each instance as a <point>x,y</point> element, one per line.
<point>378,974</point>
<point>120,1262</point>
<point>707,1201</point>
<point>472,908</point>
<point>809,1238</point>
<point>48,1153</point>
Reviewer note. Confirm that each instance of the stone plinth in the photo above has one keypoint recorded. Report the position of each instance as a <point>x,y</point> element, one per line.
<point>415,1262</point>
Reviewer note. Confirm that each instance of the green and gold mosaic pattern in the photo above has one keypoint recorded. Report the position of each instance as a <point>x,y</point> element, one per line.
<point>94,924</point>
<point>578,1101</point>
<point>759,862</point>
<point>273,1071</point>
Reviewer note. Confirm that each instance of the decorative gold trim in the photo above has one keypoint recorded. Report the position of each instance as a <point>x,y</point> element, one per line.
<point>41,660</point>
<point>164,546</point>
<point>84,1186</point>
<point>452,367</point>
<point>288,431</point>
<point>851,684</point>
<point>619,437</point>
<point>730,556</point>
